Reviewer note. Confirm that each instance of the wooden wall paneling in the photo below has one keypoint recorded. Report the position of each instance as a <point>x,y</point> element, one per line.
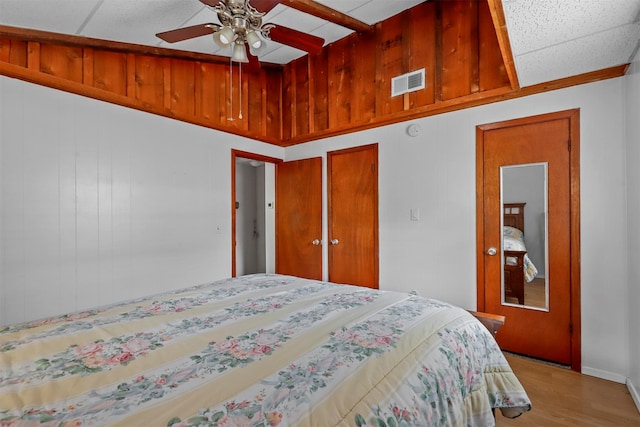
<point>340,83</point>
<point>33,56</point>
<point>288,101</point>
<point>390,51</point>
<point>256,97</point>
<point>422,51</point>
<point>61,61</point>
<point>378,77</point>
<point>303,99</point>
<point>131,76</point>
<point>166,83</point>
<point>234,99</point>
<point>204,91</point>
<point>363,107</point>
<point>13,51</point>
<point>459,48</point>
<point>406,56</point>
<point>182,88</point>
<point>87,66</point>
<point>109,71</point>
<point>5,50</point>
<point>492,69</point>
<point>437,84</point>
<point>242,86</point>
<point>197,88</point>
<point>149,80</point>
<point>223,102</point>
<point>472,25</point>
<point>319,86</point>
<point>312,102</point>
<point>212,87</point>
<point>274,102</point>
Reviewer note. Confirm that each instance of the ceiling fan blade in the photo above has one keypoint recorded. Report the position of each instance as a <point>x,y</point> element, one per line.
<point>254,63</point>
<point>264,6</point>
<point>297,39</point>
<point>188,32</point>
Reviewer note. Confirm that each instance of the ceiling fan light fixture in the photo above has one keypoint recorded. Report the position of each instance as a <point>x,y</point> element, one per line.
<point>254,40</point>
<point>224,36</point>
<point>239,53</point>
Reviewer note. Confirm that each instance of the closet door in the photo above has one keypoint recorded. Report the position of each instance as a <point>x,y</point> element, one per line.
<point>299,218</point>
<point>353,215</point>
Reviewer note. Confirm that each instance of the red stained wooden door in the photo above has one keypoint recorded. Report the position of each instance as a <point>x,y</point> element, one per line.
<point>353,216</point>
<point>299,218</point>
<point>545,334</point>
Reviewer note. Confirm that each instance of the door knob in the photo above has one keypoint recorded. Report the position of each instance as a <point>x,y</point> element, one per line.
<point>334,241</point>
<point>316,242</point>
<point>492,251</point>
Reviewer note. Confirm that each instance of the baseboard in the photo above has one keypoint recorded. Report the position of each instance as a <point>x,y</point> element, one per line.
<point>605,375</point>
<point>635,393</point>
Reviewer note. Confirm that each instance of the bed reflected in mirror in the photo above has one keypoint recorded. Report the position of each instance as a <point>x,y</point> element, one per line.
<point>524,241</point>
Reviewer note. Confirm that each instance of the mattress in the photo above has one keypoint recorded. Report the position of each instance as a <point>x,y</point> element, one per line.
<point>258,350</point>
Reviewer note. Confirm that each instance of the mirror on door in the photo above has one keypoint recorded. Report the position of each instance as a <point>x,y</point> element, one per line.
<point>524,243</point>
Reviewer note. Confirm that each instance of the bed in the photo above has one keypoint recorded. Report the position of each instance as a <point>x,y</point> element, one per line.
<point>258,350</point>
<point>518,267</point>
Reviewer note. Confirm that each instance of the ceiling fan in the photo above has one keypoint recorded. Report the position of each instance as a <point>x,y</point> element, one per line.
<point>242,27</point>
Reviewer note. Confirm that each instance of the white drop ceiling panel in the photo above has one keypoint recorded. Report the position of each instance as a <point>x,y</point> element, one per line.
<point>61,16</point>
<point>140,19</point>
<point>575,57</point>
<point>537,24</point>
<point>552,39</point>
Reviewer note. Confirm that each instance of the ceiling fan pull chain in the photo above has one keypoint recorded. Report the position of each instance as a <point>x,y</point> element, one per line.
<point>240,89</point>
<point>230,118</point>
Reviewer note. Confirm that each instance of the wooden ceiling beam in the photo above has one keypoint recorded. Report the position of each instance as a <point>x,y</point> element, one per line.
<point>328,14</point>
<point>500,24</point>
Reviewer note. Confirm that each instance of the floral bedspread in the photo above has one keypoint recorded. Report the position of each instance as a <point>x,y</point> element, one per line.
<point>259,350</point>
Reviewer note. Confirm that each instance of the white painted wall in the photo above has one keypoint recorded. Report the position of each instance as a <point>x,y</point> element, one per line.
<point>529,184</point>
<point>101,203</point>
<point>632,91</point>
<point>270,217</point>
<point>436,173</point>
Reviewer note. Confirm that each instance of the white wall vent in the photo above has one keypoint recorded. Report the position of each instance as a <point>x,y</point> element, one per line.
<point>408,82</point>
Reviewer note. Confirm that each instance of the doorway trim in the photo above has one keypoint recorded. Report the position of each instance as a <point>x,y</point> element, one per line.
<point>245,155</point>
<point>573,116</point>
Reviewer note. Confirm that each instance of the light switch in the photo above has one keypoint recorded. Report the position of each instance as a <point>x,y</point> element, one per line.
<point>415,214</point>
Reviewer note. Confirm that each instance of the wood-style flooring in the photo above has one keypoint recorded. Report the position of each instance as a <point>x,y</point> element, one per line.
<point>561,397</point>
<point>534,294</point>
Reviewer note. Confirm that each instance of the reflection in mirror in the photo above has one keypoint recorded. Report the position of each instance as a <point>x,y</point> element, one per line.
<point>524,242</point>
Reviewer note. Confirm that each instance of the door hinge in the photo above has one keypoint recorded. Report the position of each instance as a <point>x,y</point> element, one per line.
<point>373,167</point>
<point>570,328</point>
<point>569,145</point>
